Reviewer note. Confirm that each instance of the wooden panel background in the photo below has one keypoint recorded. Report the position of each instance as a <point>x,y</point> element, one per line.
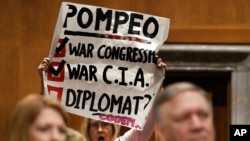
<point>27,26</point>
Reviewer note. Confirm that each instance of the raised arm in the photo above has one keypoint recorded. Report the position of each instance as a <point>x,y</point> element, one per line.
<point>43,66</point>
<point>145,134</point>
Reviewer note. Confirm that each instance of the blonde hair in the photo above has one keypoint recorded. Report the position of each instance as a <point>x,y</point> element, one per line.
<point>74,135</point>
<point>85,129</point>
<point>25,113</point>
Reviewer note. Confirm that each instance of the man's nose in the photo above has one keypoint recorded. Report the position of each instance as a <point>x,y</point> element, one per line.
<point>196,122</point>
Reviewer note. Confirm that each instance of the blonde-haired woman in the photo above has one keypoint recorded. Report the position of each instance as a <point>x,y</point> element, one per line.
<point>37,118</point>
<point>98,130</point>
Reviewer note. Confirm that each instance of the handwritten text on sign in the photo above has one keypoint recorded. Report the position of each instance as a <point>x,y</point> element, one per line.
<point>103,63</point>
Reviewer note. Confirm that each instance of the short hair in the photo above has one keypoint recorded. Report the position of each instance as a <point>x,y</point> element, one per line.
<point>25,113</point>
<point>85,129</point>
<point>172,90</point>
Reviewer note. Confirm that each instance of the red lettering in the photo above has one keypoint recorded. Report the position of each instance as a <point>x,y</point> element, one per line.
<point>127,121</point>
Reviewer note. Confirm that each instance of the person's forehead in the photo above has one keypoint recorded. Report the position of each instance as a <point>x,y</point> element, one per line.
<point>49,114</point>
<point>187,99</point>
<point>188,95</point>
<point>95,121</point>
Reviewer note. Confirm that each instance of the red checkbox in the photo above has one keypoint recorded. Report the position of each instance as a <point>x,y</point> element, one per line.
<point>60,77</point>
<point>55,91</point>
<point>62,52</point>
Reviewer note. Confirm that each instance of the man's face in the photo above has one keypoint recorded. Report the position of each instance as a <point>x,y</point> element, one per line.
<point>187,117</point>
<point>100,131</point>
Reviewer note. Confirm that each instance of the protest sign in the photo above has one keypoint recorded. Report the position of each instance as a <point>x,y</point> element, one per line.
<point>102,63</point>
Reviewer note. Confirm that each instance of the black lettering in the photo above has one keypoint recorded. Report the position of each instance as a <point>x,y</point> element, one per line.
<point>81,50</point>
<point>108,52</point>
<point>129,52</point>
<point>92,72</point>
<point>137,101</point>
<point>74,72</point>
<point>122,55</point>
<point>86,51</point>
<point>101,106</point>
<point>135,50</point>
<point>133,23</point>
<point>92,103</point>
<point>85,18</point>
<point>78,99</point>
<point>105,79</point>
<point>77,72</point>
<point>90,50</point>
<point>120,18</point>
<point>122,82</point>
<point>73,50</point>
<point>140,56</point>
<point>151,57</point>
<point>116,52</point>
<point>83,73</point>
<point>106,102</point>
<point>99,52</point>
<point>146,26</point>
<point>70,92</point>
<point>127,106</point>
<point>86,96</point>
<point>69,14</point>
<point>80,17</point>
<point>100,16</point>
<point>149,99</point>
<point>115,102</point>
<point>139,77</point>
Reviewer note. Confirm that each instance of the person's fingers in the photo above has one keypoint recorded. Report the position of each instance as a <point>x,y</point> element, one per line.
<point>47,61</point>
<point>44,65</point>
<point>159,60</point>
<point>46,58</point>
<point>161,64</point>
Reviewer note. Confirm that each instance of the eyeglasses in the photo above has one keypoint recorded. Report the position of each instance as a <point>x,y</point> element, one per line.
<point>99,124</point>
